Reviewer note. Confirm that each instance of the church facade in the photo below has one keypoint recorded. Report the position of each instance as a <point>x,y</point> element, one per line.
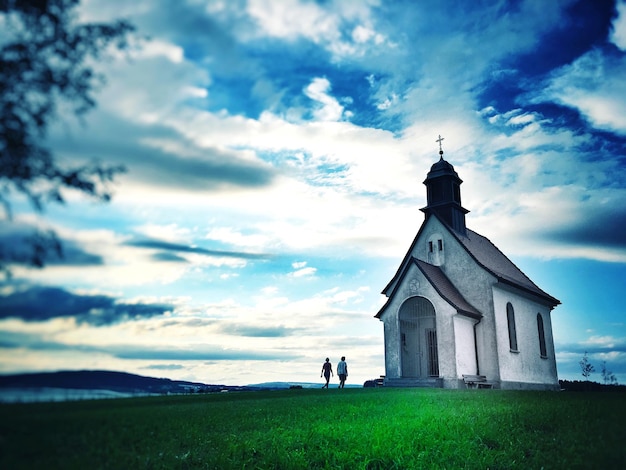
<point>458,306</point>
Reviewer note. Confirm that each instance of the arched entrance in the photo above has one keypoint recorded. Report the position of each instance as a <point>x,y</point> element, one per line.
<point>418,339</point>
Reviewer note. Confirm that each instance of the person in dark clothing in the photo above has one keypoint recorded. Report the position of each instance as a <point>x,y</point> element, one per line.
<point>327,371</point>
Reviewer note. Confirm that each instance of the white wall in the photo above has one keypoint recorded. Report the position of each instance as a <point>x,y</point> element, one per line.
<point>465,345</point>
<point>526,365</point>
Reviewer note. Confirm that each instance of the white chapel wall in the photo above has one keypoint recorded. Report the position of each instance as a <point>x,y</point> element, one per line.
<point>391,328</point>
<point>526,366</point>
<point>465,345</point>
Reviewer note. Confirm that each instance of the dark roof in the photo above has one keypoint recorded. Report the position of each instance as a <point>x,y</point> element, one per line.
<point>493,260</point>
<point>442,168</point>
<point>446,289</point>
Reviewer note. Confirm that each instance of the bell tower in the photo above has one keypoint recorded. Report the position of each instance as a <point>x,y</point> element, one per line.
<point>443,194</point>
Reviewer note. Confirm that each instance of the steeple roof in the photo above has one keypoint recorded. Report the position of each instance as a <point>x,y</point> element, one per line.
<point>441,168</point>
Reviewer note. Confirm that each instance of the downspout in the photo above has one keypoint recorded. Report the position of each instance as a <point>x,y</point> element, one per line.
<point>476,347</point>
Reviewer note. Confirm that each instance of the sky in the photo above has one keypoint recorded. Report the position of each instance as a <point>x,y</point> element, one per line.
<point>275,155</point>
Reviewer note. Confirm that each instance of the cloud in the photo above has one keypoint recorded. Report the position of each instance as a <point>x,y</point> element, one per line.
<point>179,248</point>
<point>292,18</point>
<point>595,345</point>
<point>175,352</point>
<point>196,354</point>
<point>168,257</point>
<point>594,85</point>
<point>20,242</point>
<point>618,35</point>
<point>123,266</point>
<point>155,48</point>
<point>601,223</point>
<point>256,331</point>
<point>158,155</point>
<point>329,108</point>
<point>42,303</point>
<point>230,236</point>
<point>304,272</point>
<point>165,367</point>
<point>343,28</point>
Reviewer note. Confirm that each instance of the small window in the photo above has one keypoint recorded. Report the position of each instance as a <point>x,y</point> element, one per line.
<point>434,249</point>
<point>510,318</point>
<point>542,336</point>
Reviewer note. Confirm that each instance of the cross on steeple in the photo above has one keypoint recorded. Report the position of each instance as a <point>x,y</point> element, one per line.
<point>440,139</point>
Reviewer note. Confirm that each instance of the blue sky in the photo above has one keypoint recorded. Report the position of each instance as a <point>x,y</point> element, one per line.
<point>276,152</point>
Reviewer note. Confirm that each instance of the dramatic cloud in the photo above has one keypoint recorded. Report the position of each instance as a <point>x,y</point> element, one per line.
<point>20,243</point>
<point>593,85</point>
<point>158,155</point>
<point>604,226</point>
<point>39,303</point>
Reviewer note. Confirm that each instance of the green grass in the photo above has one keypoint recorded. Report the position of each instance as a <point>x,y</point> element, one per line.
<point>334,429</point>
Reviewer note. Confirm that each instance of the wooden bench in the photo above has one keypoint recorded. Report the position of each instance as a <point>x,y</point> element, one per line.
<point>476,381</point>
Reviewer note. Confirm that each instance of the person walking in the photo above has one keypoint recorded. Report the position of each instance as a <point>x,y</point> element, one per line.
<point>327,371</point>
<point>342,371</point>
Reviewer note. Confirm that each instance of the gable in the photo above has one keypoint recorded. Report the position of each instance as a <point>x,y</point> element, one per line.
<point>485,254</point>
<point>405,261</point>
<point>442,285</point>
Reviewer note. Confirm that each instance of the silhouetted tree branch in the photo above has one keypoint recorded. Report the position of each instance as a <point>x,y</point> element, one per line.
<point>44,63</point>
<point>586,367</point>
<point>608,377</point>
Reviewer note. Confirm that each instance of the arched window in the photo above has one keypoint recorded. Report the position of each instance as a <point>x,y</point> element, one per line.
<point>542,336</point>
<point>510,318</point>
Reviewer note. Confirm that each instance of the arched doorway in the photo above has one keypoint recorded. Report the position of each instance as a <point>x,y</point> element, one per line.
<point>418,339</point>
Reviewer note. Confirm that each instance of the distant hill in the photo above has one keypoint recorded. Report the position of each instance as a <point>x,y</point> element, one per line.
<point>124,383</point>
<point>106,380</point>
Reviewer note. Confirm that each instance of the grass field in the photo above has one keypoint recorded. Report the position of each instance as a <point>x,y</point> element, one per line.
<point>333,429</point>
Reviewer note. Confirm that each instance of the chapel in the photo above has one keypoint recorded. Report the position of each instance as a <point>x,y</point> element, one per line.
<point>458,310</point>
